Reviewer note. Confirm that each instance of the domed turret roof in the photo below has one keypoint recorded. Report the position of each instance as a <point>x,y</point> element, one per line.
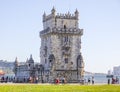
<point>53,10</point>
<point>76,12</point>
<point>16,60</point>
<point>31,59</point>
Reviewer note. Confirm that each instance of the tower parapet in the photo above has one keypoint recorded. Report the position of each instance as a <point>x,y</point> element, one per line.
<point>60,20</point>
<point>66,16</point>
<point>60,15</point>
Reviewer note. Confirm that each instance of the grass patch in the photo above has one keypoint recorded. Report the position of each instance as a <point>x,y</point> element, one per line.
<point>58,88</point>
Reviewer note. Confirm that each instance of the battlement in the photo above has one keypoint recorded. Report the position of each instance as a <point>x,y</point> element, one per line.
<point>60,16</point>
<point>66,16</point>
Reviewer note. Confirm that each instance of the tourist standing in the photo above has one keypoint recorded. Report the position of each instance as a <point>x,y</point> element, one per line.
<point>88,80</point>
<point>113,81</point>
<point>57,81</point>
<point>117,80</point>
<point>92,80</point>
<point>108,81</point>
<point>30,79</point>
<point>63,80</point>
<point>24,80</point>
<point>36,79</point>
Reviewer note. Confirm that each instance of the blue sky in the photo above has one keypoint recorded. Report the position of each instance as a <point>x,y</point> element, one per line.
<point>21,21</point>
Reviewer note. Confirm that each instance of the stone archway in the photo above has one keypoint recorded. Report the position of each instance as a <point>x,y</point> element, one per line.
<point>80,61</point>
<point>80,67</point>
<point>51,61</point>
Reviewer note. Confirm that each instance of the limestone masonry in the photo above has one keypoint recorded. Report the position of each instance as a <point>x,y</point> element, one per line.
<point>60,48</point>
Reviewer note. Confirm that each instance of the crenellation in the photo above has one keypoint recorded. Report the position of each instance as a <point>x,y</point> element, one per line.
<point>60,15</point>
<point>66,16</point>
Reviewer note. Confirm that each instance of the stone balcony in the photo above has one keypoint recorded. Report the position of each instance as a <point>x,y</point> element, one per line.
<point>61,31</point>
<point>66,44</point>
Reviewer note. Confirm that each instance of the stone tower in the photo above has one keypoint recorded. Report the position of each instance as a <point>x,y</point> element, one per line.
<point>60,47</point>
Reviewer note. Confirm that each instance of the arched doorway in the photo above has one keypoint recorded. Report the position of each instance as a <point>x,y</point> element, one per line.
<point>80,67</point>
<point>51,61</point>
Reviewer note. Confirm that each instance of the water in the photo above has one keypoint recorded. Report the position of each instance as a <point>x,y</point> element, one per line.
<point>99,78</point>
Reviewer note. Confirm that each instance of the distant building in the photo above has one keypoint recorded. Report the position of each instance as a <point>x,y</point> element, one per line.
<point>2,72</point>
<point>116,70</point>
<point>60,52</point>
<point>7,67</point>
<point>109,72</point>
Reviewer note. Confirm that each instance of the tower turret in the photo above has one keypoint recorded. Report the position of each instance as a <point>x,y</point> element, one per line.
<point>31,62</point>
<point>16,62</point>
<point>76,14</point>
<point>53,11</point>
<point>44,16</point>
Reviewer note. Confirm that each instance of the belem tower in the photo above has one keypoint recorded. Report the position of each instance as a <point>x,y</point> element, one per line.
<point>60,51</point>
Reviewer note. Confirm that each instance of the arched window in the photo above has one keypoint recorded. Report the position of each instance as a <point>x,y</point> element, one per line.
<point>29,65</point>
<point>80,61</point>
<point>64,26</point>
<point>66,60</point>
<point>51,60</point>
<point>45,49</point>
<point>45,61</point>
<point>66,39</point>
